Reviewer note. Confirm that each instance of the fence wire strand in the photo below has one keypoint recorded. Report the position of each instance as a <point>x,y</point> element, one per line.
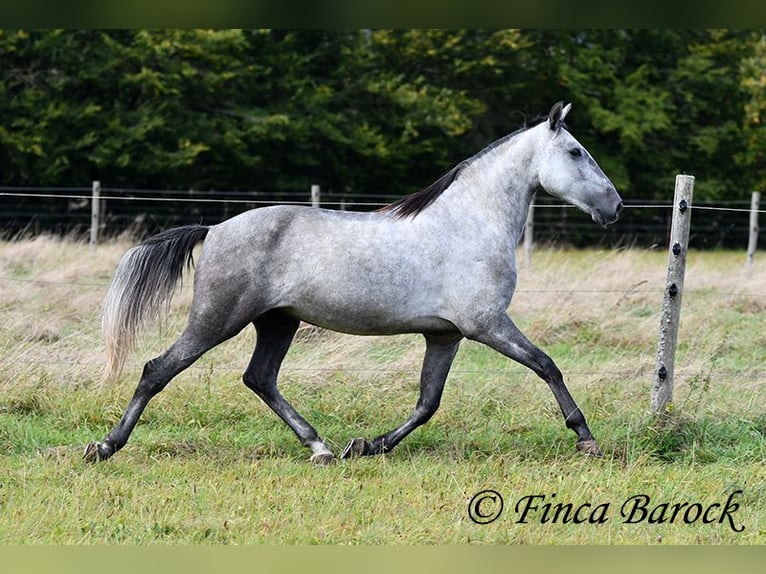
<point>335,202</point>
<point>538,291</point>
<point>82,194</point>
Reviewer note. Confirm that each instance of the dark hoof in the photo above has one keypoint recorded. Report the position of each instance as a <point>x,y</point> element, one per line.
<point>95,452</point>
<point>589,447</point>
<point>356,447</point>
<point>322,458</point>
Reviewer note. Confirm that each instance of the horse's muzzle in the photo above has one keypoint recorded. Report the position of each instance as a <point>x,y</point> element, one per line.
<point>607,215</point>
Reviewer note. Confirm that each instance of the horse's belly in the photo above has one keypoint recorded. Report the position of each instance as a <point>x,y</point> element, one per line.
<point>371,324</point>
<point>368,311</point>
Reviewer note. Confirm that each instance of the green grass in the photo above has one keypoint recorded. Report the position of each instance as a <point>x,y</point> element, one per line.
<point>209,463</point>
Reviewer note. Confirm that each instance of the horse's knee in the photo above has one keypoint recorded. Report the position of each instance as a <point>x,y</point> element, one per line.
<point>547,368</point>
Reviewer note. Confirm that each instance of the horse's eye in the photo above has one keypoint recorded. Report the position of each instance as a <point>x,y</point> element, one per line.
<point>575,152</point>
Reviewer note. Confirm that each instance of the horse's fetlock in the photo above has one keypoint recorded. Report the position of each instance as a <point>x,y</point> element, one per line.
<point>576,422</point>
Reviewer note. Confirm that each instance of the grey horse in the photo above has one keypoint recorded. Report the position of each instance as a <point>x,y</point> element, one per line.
<point>440,262</point>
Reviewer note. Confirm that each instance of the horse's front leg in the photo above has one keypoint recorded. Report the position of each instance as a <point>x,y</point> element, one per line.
<point>503,336</point>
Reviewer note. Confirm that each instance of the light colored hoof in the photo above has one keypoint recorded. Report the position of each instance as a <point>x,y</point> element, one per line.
<point>322,458</point>
<point>589,447</point>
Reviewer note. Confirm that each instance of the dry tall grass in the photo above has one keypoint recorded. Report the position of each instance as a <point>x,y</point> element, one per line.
<point>606,302</point>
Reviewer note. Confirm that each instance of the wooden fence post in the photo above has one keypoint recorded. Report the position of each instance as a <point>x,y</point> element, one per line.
<point>662,388</point>
<point>529,234</point>
<point>314,195</point>
<point>95,213</point>
<point>753,239</point>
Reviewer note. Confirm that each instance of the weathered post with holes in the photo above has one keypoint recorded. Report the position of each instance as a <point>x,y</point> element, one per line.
<point>95,213</point>
<point>529,234</point>
<point>662,389</point>
<point>753,239</point>
<point>314,195</point>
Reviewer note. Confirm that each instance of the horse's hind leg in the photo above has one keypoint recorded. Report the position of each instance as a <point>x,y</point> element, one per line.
<point>440,352</point>
<point>156,375</point>
<point>275,334</point>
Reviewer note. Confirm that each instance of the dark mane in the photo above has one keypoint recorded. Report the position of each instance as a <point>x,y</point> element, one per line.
<point>414,203</point>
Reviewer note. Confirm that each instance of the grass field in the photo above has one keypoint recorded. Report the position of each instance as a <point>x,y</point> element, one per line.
<point>209,463</point>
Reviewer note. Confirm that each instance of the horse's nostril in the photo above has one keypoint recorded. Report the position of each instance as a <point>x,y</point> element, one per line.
<point>619,208</point>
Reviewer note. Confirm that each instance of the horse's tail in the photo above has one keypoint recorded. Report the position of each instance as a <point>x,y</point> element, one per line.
<point>142,287</point>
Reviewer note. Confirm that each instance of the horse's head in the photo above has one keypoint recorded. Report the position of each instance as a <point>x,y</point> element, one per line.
<point>568,171</point>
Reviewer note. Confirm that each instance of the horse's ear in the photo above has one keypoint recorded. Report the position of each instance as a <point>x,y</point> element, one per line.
<point>565,111</point>
<point>557,114</point>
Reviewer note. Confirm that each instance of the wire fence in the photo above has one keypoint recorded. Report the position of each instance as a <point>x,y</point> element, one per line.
<point>67,210</point>
<point>754,374</point>
<point>28,211</point>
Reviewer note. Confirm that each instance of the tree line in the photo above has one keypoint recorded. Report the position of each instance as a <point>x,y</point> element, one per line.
<point>374,111</point>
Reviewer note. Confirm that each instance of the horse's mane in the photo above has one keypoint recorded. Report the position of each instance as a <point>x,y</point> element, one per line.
<point>414,203</point>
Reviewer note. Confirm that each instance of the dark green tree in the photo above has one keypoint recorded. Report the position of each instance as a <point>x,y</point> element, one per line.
<point>752,159</point>
<point>661,102</point>
<point>372,111</point>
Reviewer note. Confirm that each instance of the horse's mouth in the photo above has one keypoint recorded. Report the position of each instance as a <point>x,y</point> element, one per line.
<point>603,221</point>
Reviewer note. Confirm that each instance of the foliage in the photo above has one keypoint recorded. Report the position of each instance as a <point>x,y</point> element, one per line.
<point>372,111</point>
<point>754,122</point>
<point>668,100</point>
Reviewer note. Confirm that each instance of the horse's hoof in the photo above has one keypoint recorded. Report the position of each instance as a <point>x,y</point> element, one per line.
<point>356,447</point>
<point>589,447</point>
<point>92,453</point>
<point>322,458</point>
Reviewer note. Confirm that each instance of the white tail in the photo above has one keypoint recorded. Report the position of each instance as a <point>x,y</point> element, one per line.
<point>142,287</point>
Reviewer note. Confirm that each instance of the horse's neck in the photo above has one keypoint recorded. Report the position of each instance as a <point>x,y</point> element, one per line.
<point>497,188</point>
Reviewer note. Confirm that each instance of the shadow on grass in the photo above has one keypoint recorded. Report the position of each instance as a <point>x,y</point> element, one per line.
<point>676,437</point>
